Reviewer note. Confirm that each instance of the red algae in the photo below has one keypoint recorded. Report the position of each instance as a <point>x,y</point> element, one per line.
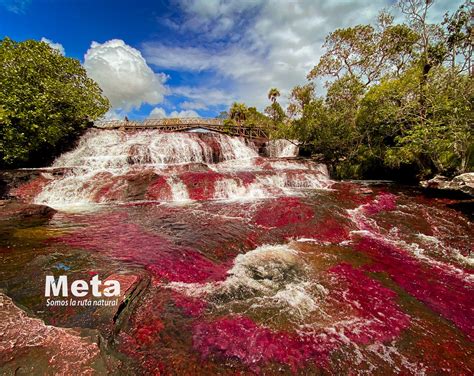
<point>128,242</point>
<point>246,177</point>
<point>282,212</point>
<point>201,185</point>
<point>383,202</point>
<point>239,337</point>
<point>442,291</point>
<point>28,191</point>
<point>373,302</point>
<point>129,187</point>
<point>159,190</point>
<point>325,230</point>
<point>191,306</point>
<point>352,194</point>
<point>371,315</point>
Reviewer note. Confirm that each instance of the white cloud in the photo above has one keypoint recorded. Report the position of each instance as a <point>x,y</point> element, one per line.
<point>157,113</point>
<point>201,97</point>
<point>254,45</point>
<point>193,105</point>
<point>160,113</point>
<point>15,6</point>
<point>123,74</point>
<point>184,114</point>
<point>56,46</point>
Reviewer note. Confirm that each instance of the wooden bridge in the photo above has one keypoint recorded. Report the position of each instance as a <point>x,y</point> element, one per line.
<point>185,124</point>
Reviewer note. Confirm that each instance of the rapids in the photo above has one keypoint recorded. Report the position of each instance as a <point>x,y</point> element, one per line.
<point>154,166</point>
<point>233,260</point>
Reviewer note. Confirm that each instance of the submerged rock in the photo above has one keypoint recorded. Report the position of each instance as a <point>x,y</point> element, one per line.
<point>28,346</point>
<point>462,183</point>
<point>13,210</point>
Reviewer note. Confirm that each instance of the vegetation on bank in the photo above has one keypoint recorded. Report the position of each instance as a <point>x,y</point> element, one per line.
<point>398,99</point>
<point>46,100</point>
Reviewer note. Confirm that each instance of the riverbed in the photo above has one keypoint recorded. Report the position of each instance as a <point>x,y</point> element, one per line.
<point>295,274</point>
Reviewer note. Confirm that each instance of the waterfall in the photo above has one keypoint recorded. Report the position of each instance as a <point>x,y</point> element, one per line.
<point>282,148</point>
<point>118,166</point>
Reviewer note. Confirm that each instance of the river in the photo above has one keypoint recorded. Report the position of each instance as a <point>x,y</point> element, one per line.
<point>230,263</point>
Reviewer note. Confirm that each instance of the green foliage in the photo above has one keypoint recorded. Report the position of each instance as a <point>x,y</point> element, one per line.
<point>45,99</point>
<point>241,115</point>
<point>366,53</point>
<point>392,104</point>
<point>446,136</point>
<point>273,94</point>
<point>399,98</point>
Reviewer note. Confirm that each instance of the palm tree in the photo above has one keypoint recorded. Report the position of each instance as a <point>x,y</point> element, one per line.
<point>238,113</point>
<point>273,94</point>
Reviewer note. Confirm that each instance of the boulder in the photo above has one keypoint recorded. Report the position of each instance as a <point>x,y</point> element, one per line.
<point>14,210</point>
<point>462,183</point>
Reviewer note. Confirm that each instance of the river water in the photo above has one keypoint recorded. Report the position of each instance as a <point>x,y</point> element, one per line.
<point>233,263</point>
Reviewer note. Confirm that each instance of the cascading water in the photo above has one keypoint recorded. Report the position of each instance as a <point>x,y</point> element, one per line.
<point>282,148</point>
<point>117,166</point>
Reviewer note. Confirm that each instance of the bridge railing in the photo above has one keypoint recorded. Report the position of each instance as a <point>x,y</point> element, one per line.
<point>158,122</point>
<point>177,124</point>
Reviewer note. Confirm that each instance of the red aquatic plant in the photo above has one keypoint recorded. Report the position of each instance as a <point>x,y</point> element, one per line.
<point>371,315</point>
<point>29,190</point>
<point>383,202</point>
<point>200,185</point>
<point>282,212</point>
<point>384,320</point>
<point>442,290</point>
<point>110,235</point>
<point>159,190</point>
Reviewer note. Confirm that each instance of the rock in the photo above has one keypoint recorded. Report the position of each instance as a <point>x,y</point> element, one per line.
<point>14,210</point>
<point>26,183</point>
<point>29,346</point>
<point>110,319</point>
<point>462,183</point>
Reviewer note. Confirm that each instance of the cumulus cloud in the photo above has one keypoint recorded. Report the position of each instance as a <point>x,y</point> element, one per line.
<point>253,45</point>
<point>56,46</point>
<point>160,113</point>
<point>124,75</point>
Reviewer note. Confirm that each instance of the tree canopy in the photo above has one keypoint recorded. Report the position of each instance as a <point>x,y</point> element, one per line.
<point>46,99</point>
<point>398,98</point>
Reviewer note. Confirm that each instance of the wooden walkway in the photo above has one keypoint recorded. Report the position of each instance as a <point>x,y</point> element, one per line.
<point>183,125</point>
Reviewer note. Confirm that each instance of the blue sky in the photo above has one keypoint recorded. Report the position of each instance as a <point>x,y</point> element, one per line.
<point>190,57</point>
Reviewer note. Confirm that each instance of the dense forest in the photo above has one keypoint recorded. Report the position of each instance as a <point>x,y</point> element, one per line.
<point>46,101</point>
<point>397,101</point>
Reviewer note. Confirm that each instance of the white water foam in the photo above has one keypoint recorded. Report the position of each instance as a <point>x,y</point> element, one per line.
<point>269,277</point>
<point>106,162</point>
<point>282,148</point>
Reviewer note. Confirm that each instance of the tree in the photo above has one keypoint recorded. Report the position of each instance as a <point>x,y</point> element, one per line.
<point>224,115</point>
<point>46,99</point>
<point>300,96</point>
<point>395,132</point>
<point>274,111</point>
<point>237,113</point>
<point>273,94</point>
<point>365,52</point>
<point>444,141</point>
<point>460,36</point>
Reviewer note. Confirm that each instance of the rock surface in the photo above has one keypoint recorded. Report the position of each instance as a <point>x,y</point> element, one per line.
<point>28,346</point>
<point>13,210</point>
<point>461,183</point>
